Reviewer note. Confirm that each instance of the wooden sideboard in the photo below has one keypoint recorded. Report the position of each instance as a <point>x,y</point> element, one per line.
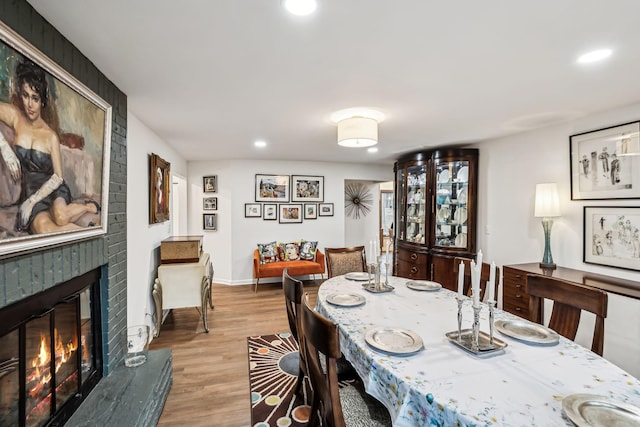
<point>514,279</point>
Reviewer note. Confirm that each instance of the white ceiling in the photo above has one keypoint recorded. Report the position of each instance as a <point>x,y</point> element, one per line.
<point>211,76</point>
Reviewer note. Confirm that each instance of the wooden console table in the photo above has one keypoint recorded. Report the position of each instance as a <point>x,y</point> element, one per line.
<point>514,278</point>
<point>182,285</point>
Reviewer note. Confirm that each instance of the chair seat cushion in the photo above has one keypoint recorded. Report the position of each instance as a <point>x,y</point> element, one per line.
<point>361,410</point>
<point>296,268</point>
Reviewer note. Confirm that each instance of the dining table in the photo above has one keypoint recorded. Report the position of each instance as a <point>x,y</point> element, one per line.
<point>522,382</point>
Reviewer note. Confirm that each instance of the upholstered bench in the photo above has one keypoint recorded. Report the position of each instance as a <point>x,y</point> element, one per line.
<point>296,268</point>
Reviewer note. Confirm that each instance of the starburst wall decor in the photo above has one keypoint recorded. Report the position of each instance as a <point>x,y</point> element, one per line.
<point>358,200</point>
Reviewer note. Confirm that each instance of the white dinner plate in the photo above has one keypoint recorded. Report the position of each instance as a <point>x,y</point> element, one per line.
<point>444,176</point>
<point>357,275</point>
<point>590,410</point>
<point>461,240</point>
<point>346,300</point>
<point>527,331</point>
<point>461,215</point>
<point>394,340</point>
<point>423,285</point>
<point>462,196</point>
<point>463,174</point>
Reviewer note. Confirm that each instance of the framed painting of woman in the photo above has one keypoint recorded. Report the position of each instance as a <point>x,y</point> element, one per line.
<point>159,180</point>
<point>54,152</point>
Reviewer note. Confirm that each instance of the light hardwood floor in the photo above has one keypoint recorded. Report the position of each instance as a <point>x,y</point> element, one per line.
<point>210,370</point>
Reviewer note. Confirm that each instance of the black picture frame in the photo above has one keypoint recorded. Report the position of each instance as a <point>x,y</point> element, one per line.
<point>210,221</point>
<point>325,209</point>
<point>210,184</point>
<point>600,168</point>
<point>290,213</point>
<point>270,211</point>
<point>612,236</point>
<point>272,188</point>
<point>252,210</point>
<point>210,203</point>
<point>310,211</point>
<point>307,188</point>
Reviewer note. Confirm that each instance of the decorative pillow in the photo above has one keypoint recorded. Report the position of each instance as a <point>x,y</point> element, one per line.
<point>289,251</point>
<point>308,250</point>
<point>268,252</point>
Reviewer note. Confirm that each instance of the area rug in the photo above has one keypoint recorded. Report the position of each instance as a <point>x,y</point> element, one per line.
<point>273,371</point>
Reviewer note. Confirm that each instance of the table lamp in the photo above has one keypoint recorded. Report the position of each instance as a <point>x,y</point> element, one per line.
<point>547,207</point>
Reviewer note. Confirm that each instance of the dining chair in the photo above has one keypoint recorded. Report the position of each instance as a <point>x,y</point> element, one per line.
<point>293,290</point>
<point>345,260</point>
<point>485,274</point>
<point>334,406</point>
<point>569,299</point>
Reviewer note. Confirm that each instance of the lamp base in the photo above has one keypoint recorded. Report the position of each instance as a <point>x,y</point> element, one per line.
<point>545,266</point>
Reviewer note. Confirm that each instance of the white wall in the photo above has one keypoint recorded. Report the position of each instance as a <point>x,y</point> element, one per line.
<point>508,233</point>
<point>144,239</point>
<point>231,246</point>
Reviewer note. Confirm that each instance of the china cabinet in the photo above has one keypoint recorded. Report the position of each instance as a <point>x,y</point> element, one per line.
<point>435,213</point>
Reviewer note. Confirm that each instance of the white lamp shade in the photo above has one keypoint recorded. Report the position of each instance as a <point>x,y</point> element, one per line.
<point>357,132</point>
<point>547,200</point>
<point>628,145</point>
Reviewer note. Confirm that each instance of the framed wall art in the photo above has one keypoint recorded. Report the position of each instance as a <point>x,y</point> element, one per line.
<point>612,236</point>
<point>325,209</point>
<point>159,179</point>
<point>600,166</point>
<point>270,211</point>
<point>290,213</point>
<point>310,210</point>
<point>252,210</point>
<point>307,188</point>
<point>210,221</point>
<point>272,188</point>
<point>79,122</point>
<point>210,184</point>
<point>210,203</point>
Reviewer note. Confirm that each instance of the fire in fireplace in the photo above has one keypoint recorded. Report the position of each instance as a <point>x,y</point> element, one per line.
<point>50,353</point>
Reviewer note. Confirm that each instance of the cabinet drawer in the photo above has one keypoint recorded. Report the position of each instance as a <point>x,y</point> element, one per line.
<point>515,299</point>
<point>412,270</point>
<point>412,257</point>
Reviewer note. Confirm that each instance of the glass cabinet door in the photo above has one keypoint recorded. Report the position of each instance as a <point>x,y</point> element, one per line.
<point>416,194</point>
<point>451,187</point>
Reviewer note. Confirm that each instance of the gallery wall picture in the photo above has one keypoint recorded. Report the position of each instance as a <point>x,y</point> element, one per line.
<point>612,236</point>
<point>252,210</point>
<point>310,210</point>
<point>210,184</point>
<point>600,165</point>
<point>290,213</point>
<point>270,211</point>
<point>70,151</point>
<point>210,221</point>
<point>210,203</point>
<point>272,188</point>
<point>159,179</point>
<point>325,209</point>
<point>307,188</point>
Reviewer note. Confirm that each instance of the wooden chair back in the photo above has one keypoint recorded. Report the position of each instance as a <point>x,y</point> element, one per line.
<point>485,274</point>
<point>293,291</point>
<point>569,299</point>
<point>345,260</point>
<point>321,340</point>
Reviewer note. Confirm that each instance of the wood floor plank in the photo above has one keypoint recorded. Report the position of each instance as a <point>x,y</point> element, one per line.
<point>210,370</point>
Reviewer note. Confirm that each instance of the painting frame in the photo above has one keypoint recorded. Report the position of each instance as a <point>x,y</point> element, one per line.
<point>272,188</point>
<point>290,213</point>
<point>210,184</point>
<point>325,209</point>
<point>210,203</point>
<point>307,188</point>
<point>611,236</point>
<point>159,189</point>
<point>310,211</point>
<point>210,222</point>
<point>270,211</point>
<point>84,122</point>
<point>252,210</point>
<point>600,168</point>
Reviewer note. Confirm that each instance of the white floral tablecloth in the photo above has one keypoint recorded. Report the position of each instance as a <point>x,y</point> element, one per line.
<point>443,385</point>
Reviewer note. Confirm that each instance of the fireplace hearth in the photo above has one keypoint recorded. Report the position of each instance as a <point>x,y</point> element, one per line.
<point>50,352</point>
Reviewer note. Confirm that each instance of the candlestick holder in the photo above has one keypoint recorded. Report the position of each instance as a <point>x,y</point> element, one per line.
<point>375,284</point>
<point>492,305</point>
<point>476,327</point>
<point>474,340</point>
<point>386,272</point>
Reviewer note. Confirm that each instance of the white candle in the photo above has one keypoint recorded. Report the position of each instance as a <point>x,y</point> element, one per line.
<point>372,253</point>
<point>377,243</point>
<point>492,281</point>
<point>475,283</point>
<point>479,259</point>
<point>460,279</point>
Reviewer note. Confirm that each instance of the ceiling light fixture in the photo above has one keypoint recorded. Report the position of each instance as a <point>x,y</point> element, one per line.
<point>357,127</point>
<point>594,56</point>
<point>372,149</point>
<point>260,143</point>
<point>300,7</point>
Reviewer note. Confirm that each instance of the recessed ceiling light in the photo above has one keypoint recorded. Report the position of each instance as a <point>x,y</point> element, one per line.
<point>594,56</point>
<point>260,143</point>
<point>300,7</point>
<point>372,149</point>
